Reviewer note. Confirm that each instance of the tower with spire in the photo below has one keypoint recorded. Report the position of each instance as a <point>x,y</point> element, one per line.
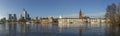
<point>80,14</point>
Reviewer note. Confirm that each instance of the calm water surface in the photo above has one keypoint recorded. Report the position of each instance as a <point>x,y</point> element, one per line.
<point>59,30</point>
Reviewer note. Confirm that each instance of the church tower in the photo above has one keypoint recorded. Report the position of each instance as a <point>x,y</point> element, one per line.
<point>80,15</point>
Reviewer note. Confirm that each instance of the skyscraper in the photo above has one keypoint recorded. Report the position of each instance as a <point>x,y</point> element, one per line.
<point>20,16</point>
<point>80,15</point>
<point>14,17</point>
<point>26,15</point>
<point>10,17</point>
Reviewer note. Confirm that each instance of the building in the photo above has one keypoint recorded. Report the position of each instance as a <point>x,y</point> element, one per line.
<point>26,15</point>
<point>77,20</point>
<point>10,17</point>
<point>46,20</point>
<point>80,15</point>
<point>14,17</point>
<point>20,16</point>
<point>3,20</point>
<point>81,19</point>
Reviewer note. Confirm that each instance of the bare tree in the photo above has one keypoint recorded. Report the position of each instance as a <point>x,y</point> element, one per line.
<point>111,13</point>
<point>118,13</point>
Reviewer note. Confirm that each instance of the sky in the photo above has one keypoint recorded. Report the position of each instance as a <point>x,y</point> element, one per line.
<point>45,8</point>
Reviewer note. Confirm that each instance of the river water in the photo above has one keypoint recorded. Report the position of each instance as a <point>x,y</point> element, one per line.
<point>82,29</point>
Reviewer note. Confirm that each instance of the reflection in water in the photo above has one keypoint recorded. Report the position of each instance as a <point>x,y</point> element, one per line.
<point>12,29</point>
<point>59,30</point>
<point>113,31</point>
<point>81,29</point>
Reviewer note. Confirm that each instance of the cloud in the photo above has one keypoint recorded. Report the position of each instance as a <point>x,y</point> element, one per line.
<point>2,17</point>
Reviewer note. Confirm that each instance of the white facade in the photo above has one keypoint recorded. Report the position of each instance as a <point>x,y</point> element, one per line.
<point>77,20</point>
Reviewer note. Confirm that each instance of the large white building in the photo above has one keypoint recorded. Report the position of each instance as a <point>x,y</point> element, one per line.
<point>77,20</point>
<point>81,19</point>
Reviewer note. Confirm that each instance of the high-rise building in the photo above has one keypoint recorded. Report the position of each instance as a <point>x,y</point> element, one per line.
<point>80,15</point>
<point>14,17</point>
<point>10,17</point>
<point>3,20</point>
<point>36,18</point>
<point>26,15</point>
<point>20,16</point>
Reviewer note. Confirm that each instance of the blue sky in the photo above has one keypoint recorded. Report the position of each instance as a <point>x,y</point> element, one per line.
<point>65,8</point>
